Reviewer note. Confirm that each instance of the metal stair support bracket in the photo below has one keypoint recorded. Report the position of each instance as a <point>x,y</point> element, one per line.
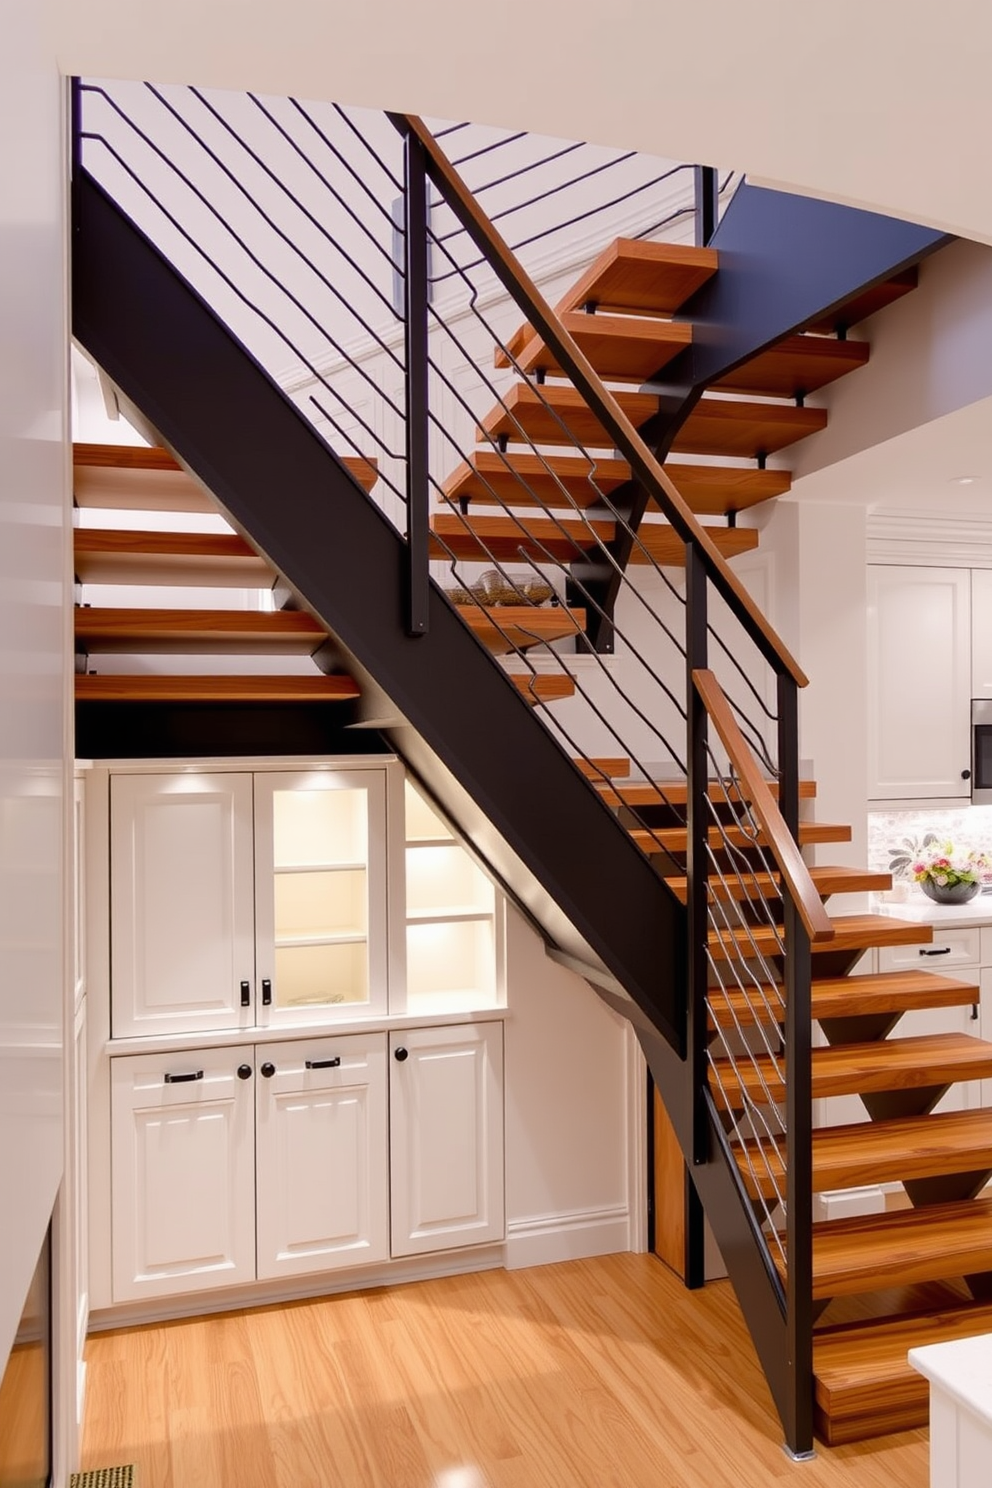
<point>493,766</point>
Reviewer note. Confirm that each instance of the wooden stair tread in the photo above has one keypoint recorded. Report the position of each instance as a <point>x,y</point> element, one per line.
<point>865,1385</point>
<point>868,302</point>
<point>104,687</point>
<point>729,426</point>
<point>518,479</point>
<point>615,767</point>
<point>851,933</point>
<point>827,880</point>
<point>920,1062</point>
<point>892,1151</point>
<point>796,365</point>
<point>673,839</point>
<point>675,792</point>
<point>622,348</point>
<point>558,414</point>
<point>650,278</point>
<point>902,1247</point>
<point>505,539</point>
<point>544,687</point>
<point>104,556</point>
<point>851,997</point>
<point>226,632</point>
<point>147,478</point>
<point>515,627</point>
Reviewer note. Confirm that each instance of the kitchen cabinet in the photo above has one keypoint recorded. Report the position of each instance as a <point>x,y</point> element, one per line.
<point>981,633</point>
<point>446,1137</point>
<point>919,675</point>
<point>955,952</point>
<point>280,1159</point>
<point>241,900</point>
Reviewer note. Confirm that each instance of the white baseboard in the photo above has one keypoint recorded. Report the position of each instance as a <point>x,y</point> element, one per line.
<point>542,1239</point>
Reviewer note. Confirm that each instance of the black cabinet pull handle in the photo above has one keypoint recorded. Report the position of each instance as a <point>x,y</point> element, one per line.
<point>268,1070</point>
<point>401,1054</point>
<point>182,1079</point>
<point>323,1063</point>
<point>246,994</point>
<point>244,1071</point>
<point>266,993</point>
<point>943,951</point>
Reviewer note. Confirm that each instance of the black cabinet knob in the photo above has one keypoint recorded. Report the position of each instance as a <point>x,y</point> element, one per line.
<point>965,774</point>
<point>268,1070</point>
<point>401,1054</point>
<point>244,1071</point>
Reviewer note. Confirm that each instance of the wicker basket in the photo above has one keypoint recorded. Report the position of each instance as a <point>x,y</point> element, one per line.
<point>494,588</point>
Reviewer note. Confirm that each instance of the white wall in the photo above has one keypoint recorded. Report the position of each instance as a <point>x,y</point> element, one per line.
<point>34,719</point>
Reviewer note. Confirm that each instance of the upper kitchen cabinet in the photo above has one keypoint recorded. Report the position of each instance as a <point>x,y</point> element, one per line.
<point>981,633</point>
<point>183,920</point>
<point>919,678</point>
<point>245,901</point>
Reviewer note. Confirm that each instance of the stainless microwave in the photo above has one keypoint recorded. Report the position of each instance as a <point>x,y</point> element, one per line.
<point>981,751</point>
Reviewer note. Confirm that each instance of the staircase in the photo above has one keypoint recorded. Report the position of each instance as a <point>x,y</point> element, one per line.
<point>645,884</point>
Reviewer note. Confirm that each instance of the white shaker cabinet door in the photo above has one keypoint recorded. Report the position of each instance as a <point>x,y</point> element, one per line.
<point>182,1172</point>
<point>919,681</point>
<point>446,1137</point>
<point>322,1154</point>
<point>182,933</point>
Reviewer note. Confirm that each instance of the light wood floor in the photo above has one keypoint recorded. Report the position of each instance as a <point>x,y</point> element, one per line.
<point>590,1374</point>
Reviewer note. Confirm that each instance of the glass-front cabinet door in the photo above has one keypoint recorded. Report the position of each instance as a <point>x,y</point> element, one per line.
<point>320,894</point>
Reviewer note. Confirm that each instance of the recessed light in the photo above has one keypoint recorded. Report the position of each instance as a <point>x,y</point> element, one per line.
<point>965,480</point>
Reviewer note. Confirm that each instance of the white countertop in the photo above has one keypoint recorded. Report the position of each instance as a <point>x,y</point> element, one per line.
<point>961,1368</point>
<point>941,916</point>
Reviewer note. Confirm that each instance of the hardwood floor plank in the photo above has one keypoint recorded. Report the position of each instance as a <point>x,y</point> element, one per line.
<point>602,1373</point>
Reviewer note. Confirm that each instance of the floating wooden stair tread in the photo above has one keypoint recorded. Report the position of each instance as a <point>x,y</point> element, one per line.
<point>515,627</point>
<point>673,839</point>
<point>901,1248</point>
<point>142,477</point>
<point>598,766</point>
<point>223,632</point>
<point>177,558</point>
<point>848,997</point>
<point>557,414</point>
<point>649,278</point>
<point>865,1385</point>
<point>868,302</point>
<point>502,539</point>
<point>827,880</point>
<point>851,933</point>
<point>516,479</point>
<point>888,992</point>
<point>735,426</point>
<point>796,365</point>
<point>622,348</point>
<point>675,792</point>
<point>922,1062</point>
<point>544,687</point>
<point>148,687</point>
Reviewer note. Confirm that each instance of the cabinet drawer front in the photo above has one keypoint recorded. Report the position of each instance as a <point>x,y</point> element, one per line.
<point>948,948</point>
<point>319,1064</point>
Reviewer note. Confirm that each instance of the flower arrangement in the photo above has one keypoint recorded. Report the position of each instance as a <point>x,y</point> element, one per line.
<point>946,873</point>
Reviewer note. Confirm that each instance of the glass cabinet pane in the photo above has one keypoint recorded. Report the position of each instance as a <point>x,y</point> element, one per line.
<point>321,975</point>
<point>321,903</point>
<point>316,827</point>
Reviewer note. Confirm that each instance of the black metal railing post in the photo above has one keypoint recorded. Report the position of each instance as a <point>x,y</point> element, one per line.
<point>798,1418</point>
<point>416,270</point>
<point>707,203</point>
<point>696,855</point>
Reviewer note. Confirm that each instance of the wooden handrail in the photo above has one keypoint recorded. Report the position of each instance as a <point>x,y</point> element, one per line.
<point>574,362</point>
<point>784,848</point>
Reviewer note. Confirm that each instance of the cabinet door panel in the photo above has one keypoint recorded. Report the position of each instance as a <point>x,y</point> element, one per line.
<point>182,1173</point>
<point>446,1137</point>
<point>320,874</point>
<point>322,1155</point>
<point>182,937</point>
<point>919,671</point>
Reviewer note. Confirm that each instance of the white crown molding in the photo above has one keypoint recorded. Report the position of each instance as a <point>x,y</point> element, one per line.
<point>929,539</point>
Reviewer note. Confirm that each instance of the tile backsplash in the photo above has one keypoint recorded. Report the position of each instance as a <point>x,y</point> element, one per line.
<point>966,826</point>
